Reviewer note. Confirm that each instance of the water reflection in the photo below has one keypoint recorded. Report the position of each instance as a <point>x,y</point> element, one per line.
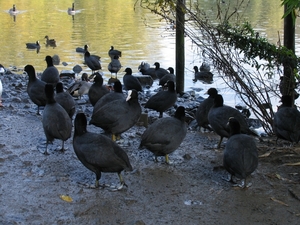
<point>140,35</point>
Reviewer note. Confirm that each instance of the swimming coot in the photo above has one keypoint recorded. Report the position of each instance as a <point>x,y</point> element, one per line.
<point>57,123</point>
<point>131,82</point>
<point>204,107</point>
<point>163,100</point>
<point>65,99</point>
<point>97,90</point>
<point>114,52</point>
<point>50,74</point>
<point>240,154</point>
<point>118,116</point>
<point>97,152</point>
<point>219,115</point>
<point>165,135</point>
<point>286,122</point>
<point>35,88</point>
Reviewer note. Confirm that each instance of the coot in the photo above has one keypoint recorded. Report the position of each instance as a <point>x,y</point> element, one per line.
<point>204,107</point>
<point>118,116</point>
<point>97,152</point>
<point>116,94</point>
<point>163,100</point>
<point>219,115</point>
<point>131,82</point>
<point>97,90</point>
<point>114,52</point>
<point>170,76</point>
<point>165,135</point>
<point>287,121</point>
<point>65,99</point>
<point>35,88</point>
<point>56,122</point>
<point>240,154</point>
<point>50,74</point>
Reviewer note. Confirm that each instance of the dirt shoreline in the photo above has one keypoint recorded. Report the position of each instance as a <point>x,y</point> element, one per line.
<point>189,191</point>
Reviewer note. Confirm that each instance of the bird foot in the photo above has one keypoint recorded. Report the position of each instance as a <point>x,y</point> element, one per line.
<point>118,188</point>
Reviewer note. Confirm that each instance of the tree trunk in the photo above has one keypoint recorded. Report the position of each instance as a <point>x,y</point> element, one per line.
<point>287,83</point>
<point>180,58</point>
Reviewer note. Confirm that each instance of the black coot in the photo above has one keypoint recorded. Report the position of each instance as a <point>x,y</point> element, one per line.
<point>92,62</point>
<point>240,153</point>
<point>114,52</point>
<point>35,88</point>
<point>287,121</point>
<point>204,107</point>
<point>165,135</point>
<point>65,99</point>
<point>97,90</point>
<point>116,94</point>
<point>219,115</point>
<point>50,74</point>
<point>118,116</point>
<point>130,82</point>
<point>97,152</point>
<point>160,72</point>
<point>163,100</point>
<point>114,66</point>
<point>169,76</point>
<point>57,123</point>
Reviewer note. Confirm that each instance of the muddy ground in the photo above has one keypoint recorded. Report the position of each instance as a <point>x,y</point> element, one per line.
<point>189,191</point>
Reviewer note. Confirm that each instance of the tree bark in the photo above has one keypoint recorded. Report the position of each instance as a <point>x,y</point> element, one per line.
<point>287,83</point>
<point>180,53</point>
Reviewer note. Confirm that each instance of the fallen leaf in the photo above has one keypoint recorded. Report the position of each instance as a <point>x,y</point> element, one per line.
<point>66,198</point>
<point>292,164</point>
<point>265,155</point>
<point>278,201</point>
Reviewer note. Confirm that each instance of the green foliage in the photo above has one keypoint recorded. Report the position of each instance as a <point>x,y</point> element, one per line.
<point>291,6</point>
<point>253,46</point>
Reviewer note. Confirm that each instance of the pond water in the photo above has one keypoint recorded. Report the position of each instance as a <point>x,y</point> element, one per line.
<point>140,35</point>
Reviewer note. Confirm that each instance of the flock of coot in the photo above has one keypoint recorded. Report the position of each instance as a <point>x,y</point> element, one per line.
<point>115,113</point>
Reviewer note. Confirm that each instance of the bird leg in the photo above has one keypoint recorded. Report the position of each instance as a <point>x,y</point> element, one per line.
<point>167,159</point>
<point>219,144</point>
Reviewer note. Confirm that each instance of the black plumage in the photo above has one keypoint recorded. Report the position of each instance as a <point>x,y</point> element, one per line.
<point>35,45</point>
<point>118,116</point>
<point>202,75</point>
<point>97,152</point>
<point>160,72</point>
<point>165,135</point>
<point>286,121</point>
<point>116,94</point>
<point>219,115</point>
<point>65,99</point>
<point>130,82</point>
<point>115,65</point>
<point>240,157</point>
<point>163,100</point>
<point>92,62</point>
<point>57,123</point>
<point>97,90</point>
<point>35,88</point>
<point>114,52</point>
<point>169,76</point>
<point>204,107</point>
<point>50,74</point>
